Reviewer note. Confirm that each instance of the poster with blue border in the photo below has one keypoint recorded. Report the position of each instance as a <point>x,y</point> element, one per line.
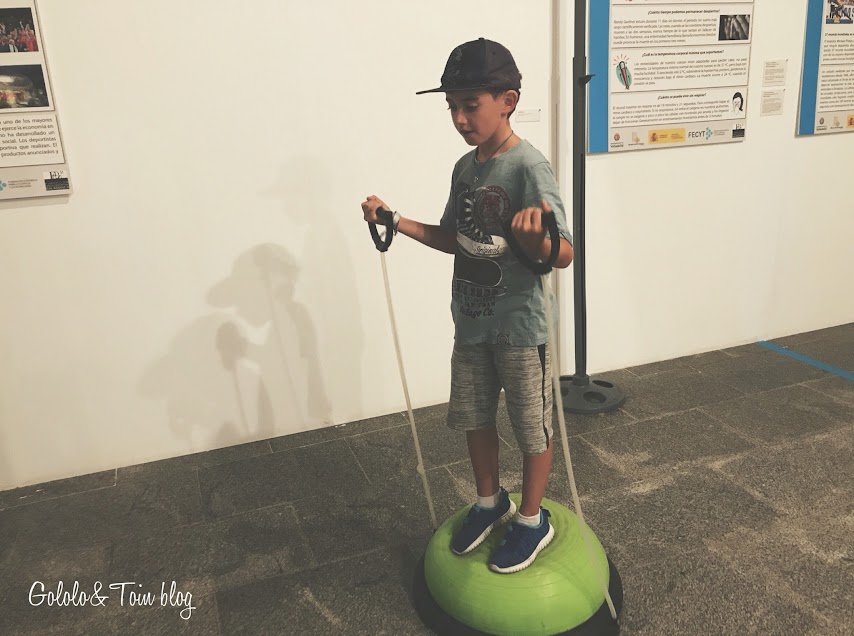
<point>668,73</point>
<point>33,162</point>
<point>827,81</point>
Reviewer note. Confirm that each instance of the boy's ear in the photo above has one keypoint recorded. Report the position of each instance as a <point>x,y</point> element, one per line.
<point>511,99</point>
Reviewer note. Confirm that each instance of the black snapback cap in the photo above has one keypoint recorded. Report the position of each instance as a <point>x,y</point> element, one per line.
<point>480,63</point>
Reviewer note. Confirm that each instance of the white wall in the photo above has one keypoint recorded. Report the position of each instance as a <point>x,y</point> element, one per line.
<point>695,249</point>
<point>211,281</point>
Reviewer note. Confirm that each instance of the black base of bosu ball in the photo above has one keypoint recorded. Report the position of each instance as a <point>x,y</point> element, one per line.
<point>589,396</point>
<point>443,624</point>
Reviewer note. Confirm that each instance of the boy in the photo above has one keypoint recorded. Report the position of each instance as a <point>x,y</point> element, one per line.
<point>498,304</point>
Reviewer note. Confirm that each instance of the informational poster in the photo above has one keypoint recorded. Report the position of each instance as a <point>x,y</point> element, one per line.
<point>32,158</point>
<point>667,73</point>
<point>827,83</point>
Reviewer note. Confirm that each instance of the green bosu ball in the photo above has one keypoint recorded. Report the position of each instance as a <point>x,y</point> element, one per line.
<point>560,593</point>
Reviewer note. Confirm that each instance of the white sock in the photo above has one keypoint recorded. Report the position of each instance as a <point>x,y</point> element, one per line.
<point>528,521</point>
<point>488,502</point>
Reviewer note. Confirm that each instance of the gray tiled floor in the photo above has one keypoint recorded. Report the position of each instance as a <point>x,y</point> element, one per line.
<point>723,490</point>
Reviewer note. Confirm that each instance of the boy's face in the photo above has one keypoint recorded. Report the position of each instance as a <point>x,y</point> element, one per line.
<point>477,115</point>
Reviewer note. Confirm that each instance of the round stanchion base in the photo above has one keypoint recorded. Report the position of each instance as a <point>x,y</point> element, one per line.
<point>589,396</point>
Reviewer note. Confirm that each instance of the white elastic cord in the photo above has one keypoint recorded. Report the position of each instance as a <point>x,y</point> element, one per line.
<point>420,467</point>
<point>564,439</point>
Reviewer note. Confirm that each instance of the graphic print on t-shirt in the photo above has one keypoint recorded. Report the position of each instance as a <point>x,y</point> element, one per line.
<point>477,272</point>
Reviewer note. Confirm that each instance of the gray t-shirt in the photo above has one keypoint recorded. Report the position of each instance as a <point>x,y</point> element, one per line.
<point>495,298</point>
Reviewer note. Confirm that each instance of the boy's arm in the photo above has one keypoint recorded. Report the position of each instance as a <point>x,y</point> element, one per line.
<point>541,192</point>
<point>533,237</point>
<point>430,235</point>
<point>564,257</point>
<point>442,237</point>
<point>434,236</point>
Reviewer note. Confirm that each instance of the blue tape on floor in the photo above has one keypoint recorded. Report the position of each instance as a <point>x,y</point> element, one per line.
<point>802,358</point>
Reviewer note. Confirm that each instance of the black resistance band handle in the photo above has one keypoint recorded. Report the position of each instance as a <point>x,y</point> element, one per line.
<point>388,220</point>
<point>550,221</point>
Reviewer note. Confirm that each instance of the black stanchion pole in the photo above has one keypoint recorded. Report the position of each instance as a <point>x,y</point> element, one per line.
<point>582,394</point>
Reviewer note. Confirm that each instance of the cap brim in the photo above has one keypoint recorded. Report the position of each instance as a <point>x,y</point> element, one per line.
<point>432,90</point>
<point>459,89</point>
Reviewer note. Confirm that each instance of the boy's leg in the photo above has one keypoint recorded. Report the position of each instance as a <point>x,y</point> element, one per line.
<point>524,372</point>
<point>473,406</point>
<point>483,452</point>
<point>474,403</point>
<point>526,375</point>
<point>535,478</point>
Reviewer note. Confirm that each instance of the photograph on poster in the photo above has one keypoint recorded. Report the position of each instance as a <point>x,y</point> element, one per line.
<point>23,87</point>
<point>17,34</point>
<point>840,12</point>
<point>734,27</point>
<point>738,103</point>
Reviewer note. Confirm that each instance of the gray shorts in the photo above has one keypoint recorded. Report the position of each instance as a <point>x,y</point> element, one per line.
<point>479,372</point>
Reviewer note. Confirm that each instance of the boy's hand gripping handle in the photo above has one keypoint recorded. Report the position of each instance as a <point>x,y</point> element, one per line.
<point>388,219</point>
<point>549,220</point>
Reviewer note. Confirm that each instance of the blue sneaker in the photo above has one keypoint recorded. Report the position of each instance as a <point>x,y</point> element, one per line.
<point>521,545</point>
<point>479,522</point>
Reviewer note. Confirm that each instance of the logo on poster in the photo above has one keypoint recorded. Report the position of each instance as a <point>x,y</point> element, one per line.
<point>851,121</point>
<point>707,133</point>
<point>668,136</point>
<point>2,185</point>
